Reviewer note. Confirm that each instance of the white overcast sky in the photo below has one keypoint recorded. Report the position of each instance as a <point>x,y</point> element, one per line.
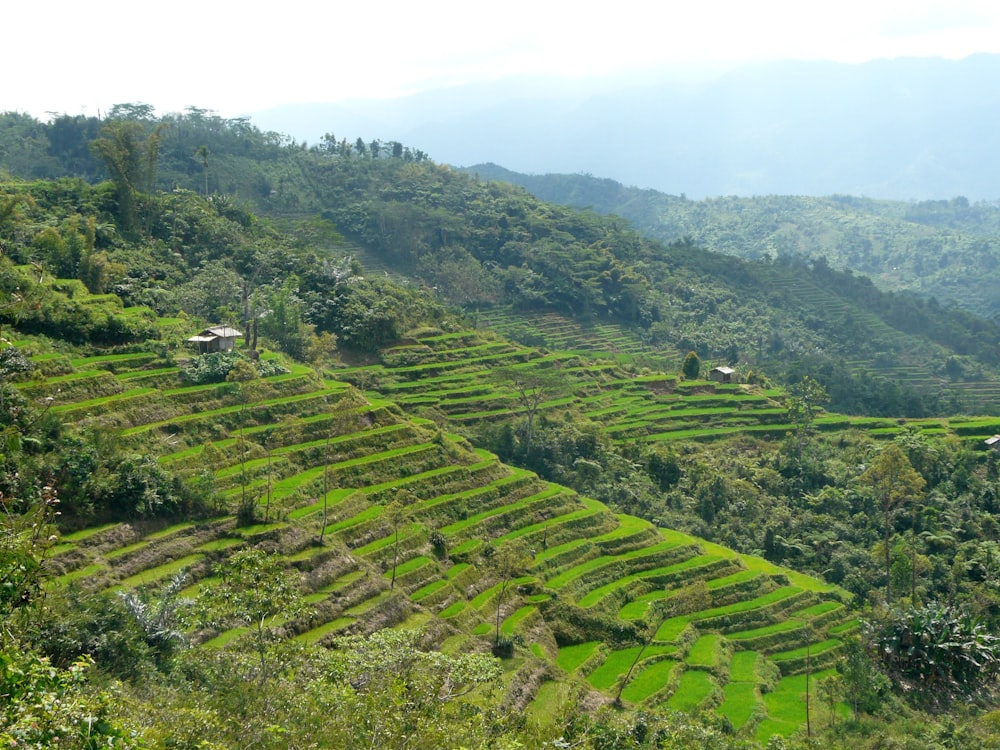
<point>70,56</point>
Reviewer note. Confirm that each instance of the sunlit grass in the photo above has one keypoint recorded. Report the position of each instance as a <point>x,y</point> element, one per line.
<point>618,662</point>
<point>813,649</point>
<point>316,634</point>
<point>694,687</point>
<point>743,667</point>
<point>704,652</point>
<point>571,657</point>
<point>637,608</point>
<point>649,680</point>
<point>739,702</point>
<point>152,575</point>
<point>452,610</point>
<point>510,624</point>
<point>786,707</point>
<point>424,591</point>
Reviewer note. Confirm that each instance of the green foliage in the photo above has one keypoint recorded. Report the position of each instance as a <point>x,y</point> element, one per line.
<point>98,626</point>
<point>893,481</point>
<point>689,599</point>
<point>461,279</point>
<point>922,245</point>
<point>404,696</point>
<point>938,649</point>
<point>255,591</point>
<point>48,707</point>
<point>160,619</point>
<point>507,562</point>
<point>25,535</point>
<point>606,729</point>
<point>131,156</point>
<point>866,687</point>
<point>806,399</point>
<point>284,320</point>
<point>691,367</point>
<point>381,690</point>
<point>136,487</point>
<point>213,367</point>
<point>795,501</point>
<point>484,242</point>
<point>216,367</point>
<point>40,305</point>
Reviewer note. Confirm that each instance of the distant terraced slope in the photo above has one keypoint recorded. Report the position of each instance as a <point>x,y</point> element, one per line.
<point>452,376</point>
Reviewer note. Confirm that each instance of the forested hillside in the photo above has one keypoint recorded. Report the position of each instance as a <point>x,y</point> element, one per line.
<point>947,249</point>
<point>379,523</point>
<point>486,245</point>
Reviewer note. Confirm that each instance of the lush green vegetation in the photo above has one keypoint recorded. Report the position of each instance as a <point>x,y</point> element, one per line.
<point>483,245</point>
<point>316,526</point>
<point>947,249</point>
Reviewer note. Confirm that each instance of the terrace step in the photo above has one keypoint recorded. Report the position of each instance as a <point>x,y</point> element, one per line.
<point>261,412</point>
<point>817,656</point>
<point>695,568</point>
<point>758,612</point>
<point>116,363</point>
<point>68,389</point>
<point>460,505</point>
<point>552,501</point>
<point>781,634</point>
<point>630,533</point>
<point>582,579</point>
<point>444,479</point>
<point>590,519</point>
<point>611,669</point>
<point>738,586</point>
<point>694,692</point>
<point>122,409</point>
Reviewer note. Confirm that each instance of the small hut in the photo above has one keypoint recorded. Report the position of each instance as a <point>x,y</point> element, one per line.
<point>721,374</point>
<point>216,339</point>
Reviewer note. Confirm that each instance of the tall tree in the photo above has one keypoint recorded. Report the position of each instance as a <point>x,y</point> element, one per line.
<point>202,153</point>
<point>509,561</point>
<point>396,513</point>
<point>893,482</point>
<point>531,389</point>
<point>243,375</point>
<point>120,148</point>
<point>805,400</point>
<point>131,157</point>
<point>691,367</point>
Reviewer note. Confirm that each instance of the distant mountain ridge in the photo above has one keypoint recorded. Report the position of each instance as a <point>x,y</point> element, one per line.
<point>910,128</point>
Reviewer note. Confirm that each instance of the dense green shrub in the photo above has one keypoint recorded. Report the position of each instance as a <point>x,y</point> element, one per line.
<point>938,648</point>
<point>214,367</point>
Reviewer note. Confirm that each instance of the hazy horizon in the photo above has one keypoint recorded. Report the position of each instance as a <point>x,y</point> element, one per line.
<point>219,57</point>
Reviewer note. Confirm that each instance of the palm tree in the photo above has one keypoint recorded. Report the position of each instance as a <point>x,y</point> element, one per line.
<point>202,154</point>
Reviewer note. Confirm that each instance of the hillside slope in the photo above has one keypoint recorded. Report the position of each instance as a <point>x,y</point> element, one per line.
<point>373,498</point>
<point>321,465</point>
<point>487,245</point>
<point>948,249</point>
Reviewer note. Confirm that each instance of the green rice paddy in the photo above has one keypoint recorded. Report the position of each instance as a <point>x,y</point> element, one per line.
<point>581,550</point>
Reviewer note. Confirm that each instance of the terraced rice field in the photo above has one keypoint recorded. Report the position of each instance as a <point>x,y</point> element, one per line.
<point>320,460</point>
<point>452,377</point>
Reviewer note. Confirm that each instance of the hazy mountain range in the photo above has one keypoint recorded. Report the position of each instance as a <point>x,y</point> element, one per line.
<point>916,128</point>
